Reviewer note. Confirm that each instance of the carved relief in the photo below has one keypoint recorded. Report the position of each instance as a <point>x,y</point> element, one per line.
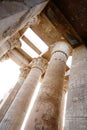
<point>40,63</point>
<point>24,71</point>
<point>61,46</point>
<point>15,42</point>
<point>32,21</point>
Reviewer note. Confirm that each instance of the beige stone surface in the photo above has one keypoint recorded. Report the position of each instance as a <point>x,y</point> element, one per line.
<point>9,45</point>
<point>4,48</point>
<point>16,113</point>
<point>14,15</point>
<point>18,57</point>
<point>50,24</point>
<point>45,112</point>
<point>76,110</point>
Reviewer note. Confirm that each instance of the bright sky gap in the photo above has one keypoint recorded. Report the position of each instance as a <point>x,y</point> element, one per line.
<point>35,39</point>
<point>28,49</point>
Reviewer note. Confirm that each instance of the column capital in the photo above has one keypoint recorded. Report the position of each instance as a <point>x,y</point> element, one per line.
<point>24,71</point>
<point>61,46</point>
<point>4,57</point>
<point>39,63</point>
<point>14,42</point>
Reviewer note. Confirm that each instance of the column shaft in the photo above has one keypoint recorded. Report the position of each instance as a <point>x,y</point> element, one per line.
<point>45,113</point>
<point>13,93</point>
<point>14,54</point>
<point>62,108</point>
<point>76,110</point>
<point>15,115</point>
<point>9,100</point>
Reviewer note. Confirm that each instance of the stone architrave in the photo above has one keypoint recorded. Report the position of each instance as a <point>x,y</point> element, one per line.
<point>45,112</point>
<point>24,72</point>
<point>16,113</point>
<point>76,110</point>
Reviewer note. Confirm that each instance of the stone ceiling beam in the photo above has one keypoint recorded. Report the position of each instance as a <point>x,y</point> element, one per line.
<point>18,57</point>
<point>62,24</point>
<point>31,44</point>
<point>75,12</point>
<point>46,30</point>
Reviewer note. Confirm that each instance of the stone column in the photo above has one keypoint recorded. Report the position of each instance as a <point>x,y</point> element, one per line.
<point>10,44</point>
<point>4,48</point>
<point>4,57</point>
<point>24,71</point>
<point>16,113</point>
<point>62,108</point>
<point>76,110</point>
<point>19,58</point>
<point>45,112</point>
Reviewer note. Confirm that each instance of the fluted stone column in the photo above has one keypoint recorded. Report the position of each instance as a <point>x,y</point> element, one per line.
<point>16,113</point>
<point>24,71</point>
<point>45,112</point>
<point>76,110</point>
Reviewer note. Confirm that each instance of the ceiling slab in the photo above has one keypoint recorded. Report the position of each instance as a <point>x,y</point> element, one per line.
<point>75,12</point>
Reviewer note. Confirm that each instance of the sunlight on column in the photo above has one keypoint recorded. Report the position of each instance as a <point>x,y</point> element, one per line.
<point>31,105</point>
<point>9,73</point>
<point>69,61</point>
<point>65,103</point>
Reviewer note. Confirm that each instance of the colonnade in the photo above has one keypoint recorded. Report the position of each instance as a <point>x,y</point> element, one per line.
<point>16,113</point>
<point>24,71</point>
<point>47,111</point>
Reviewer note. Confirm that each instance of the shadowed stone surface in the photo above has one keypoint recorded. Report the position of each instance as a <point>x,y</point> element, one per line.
<point>14,15</point>
<point>76,111</point>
